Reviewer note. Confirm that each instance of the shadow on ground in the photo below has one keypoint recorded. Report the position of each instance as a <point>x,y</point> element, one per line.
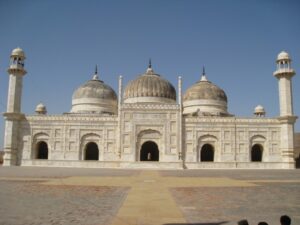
<point>210,223</point>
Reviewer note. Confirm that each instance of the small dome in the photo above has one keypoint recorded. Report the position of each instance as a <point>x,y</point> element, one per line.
<point>204,89</point>
<point>94,97</point>
<point>18,52</point>
<point>283,56</point>
<point>259,111</point>
<point>205,97</point>
<point>41,109</point>
<point>149,88</point>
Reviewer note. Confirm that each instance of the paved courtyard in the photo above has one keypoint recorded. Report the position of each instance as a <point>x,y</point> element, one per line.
<point>63,196</point>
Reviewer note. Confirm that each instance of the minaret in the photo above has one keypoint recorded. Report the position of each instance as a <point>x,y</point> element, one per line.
<point>13,114</point>
<point>284,74</point>
<point>181,154</point>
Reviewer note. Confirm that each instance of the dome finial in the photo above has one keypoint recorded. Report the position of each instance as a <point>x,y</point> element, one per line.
<point>95,77</point>
<point>149,69</point>
<point>203,77</point>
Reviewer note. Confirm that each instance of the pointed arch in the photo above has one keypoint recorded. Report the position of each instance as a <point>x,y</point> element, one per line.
<point>149,132</point>
<point>257,138</point>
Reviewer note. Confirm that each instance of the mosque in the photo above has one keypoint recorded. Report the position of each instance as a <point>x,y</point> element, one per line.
<point>149,125</point>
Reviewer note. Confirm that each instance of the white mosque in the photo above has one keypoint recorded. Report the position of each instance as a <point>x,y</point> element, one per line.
<point>148,126</point>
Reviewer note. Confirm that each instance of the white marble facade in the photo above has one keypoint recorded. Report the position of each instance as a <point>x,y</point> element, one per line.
<point>148,126</point>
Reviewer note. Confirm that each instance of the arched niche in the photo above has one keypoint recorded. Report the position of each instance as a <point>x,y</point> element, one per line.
<point>207,148</point>
<point>153,138</point>
<point>40,146</point>
<point>257,151</point>
<point>85,140</point>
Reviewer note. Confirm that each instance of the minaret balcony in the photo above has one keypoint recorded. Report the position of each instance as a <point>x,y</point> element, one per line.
<point>284,72</point>
<point>16,69</point>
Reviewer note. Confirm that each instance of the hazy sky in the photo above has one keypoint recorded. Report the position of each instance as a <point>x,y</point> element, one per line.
<point>237,41</point>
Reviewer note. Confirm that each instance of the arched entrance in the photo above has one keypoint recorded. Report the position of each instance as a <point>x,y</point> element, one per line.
<point>256,153</point>
<point>297,162</point>
<point>149,151</point>
<point>42,150</point>
<point>207,153</point>
<point>91,151</point>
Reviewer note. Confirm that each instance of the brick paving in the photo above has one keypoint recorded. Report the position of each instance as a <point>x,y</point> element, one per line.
<point>25,198</point>
<point>24,202</point>
<point>276,194</point>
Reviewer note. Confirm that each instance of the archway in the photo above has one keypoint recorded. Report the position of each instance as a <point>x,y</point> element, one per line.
<point>207,153</point>
<point>297,162</point>
<point>256,153</point>
<point>42,150</point>
<point>91,151</point>
<point>149,151</point>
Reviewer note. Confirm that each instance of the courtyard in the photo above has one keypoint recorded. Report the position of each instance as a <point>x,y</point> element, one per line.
<point>40,195</point>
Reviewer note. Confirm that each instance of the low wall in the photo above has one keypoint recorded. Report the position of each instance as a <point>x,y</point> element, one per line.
<point>102,164</point>
<point>158,165</point>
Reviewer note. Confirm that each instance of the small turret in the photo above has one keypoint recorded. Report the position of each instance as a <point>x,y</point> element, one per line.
<point>259,111</point>
<point>41,109</point>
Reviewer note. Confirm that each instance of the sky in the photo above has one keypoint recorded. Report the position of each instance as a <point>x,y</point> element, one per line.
<point>237,42</point>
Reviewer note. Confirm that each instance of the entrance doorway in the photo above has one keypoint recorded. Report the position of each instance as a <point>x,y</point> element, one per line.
<point>149,151</point>
<point>91,151</point>
<point>256,153</point>
<point>42,150</point>
<point>297,162</point>
<point>207,153</point>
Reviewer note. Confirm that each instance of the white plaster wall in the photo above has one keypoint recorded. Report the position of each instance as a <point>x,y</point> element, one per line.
<point>63,134</point>
<point>232,138</point>
<point>158,123</point>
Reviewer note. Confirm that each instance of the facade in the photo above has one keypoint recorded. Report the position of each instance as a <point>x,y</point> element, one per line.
<point>148,126</point>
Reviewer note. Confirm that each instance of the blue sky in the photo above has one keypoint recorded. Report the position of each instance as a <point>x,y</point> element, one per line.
<point>237,41</point>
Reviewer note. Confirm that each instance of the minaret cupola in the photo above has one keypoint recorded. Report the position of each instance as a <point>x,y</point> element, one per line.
<point>284,65</point>
<point>17,64</point>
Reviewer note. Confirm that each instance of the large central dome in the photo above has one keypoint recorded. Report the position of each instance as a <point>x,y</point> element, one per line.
<point>149,88</point>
